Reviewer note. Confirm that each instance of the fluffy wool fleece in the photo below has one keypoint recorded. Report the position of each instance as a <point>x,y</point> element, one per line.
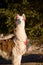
<point>6,46</point>
<point>15,47</point>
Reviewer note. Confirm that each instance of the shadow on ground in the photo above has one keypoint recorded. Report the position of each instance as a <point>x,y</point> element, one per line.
<point>25,59</point>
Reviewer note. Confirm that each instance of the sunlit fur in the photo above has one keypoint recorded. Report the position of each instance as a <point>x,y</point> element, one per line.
<point>20,48</point>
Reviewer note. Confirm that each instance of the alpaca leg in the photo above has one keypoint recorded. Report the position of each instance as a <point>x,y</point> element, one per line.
<point>16,59</point>
<point>4,54</point>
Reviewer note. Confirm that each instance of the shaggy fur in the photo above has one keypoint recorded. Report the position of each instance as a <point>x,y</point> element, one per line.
<point>15,47</point>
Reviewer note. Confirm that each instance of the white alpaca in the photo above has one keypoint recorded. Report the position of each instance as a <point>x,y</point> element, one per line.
<point>20,47</point>
<point>20,38</point>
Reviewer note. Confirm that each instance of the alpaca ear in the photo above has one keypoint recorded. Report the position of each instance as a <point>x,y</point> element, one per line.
<point>17,16</point>
<point>24,17</point>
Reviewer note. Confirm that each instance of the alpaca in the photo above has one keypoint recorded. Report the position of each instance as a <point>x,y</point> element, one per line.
<point>14,48</point>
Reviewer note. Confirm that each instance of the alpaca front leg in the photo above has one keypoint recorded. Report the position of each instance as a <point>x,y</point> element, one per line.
<point>16,58</point>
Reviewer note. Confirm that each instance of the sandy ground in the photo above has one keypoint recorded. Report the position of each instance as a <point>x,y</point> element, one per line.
<point>32,64</point>
<point>26,64</point>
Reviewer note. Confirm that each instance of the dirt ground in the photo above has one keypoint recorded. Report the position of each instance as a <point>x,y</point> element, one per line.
<point>32,64</point>
<point>26,64</point>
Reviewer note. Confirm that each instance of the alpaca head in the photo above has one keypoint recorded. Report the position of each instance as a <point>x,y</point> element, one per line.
<point>20,19</point>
